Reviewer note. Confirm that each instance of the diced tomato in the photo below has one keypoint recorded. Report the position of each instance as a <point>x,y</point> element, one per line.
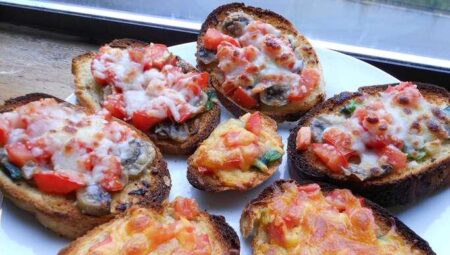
<point>214,37</point>
<point>241,97</point>
<point>203,79</point>
<point>254,123</point>
<point>19,154</point>
<point>136,54</point>
<point>276,233</point>
<point>395,157</point>
<point>185,113</point>
<point>310,77</point>
<point>112,176</point>
<point>330,156</point>
<point>185,207</point>
<point>57,183</point>
<point>228,88</point>
<point>340,139</point>
<point>138,224</point>
<point>292,216</point>
<point>3,133</point>
<point>234,162</point>
<point>378,142</point>
<point>251,52</point>
<point>303,139</point>
<point>237,138</point>
<point>406,93</point>
<point>143,121</point>
<point>116,106</point>
<point>157,56</point>
<point>163,234</point>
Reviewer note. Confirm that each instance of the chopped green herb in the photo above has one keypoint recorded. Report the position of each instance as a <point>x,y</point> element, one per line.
<point>11,170</point>
<point>271,156</point>
<point>418,156</point>
<point>349,108</point>
<point>212,99</point>
<point>260,165</point>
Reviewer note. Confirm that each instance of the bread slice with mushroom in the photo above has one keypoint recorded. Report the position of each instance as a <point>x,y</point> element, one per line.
<point>170,136</point>
<point>258,61</point>
<point>72,212</point>
<point>404,153</point>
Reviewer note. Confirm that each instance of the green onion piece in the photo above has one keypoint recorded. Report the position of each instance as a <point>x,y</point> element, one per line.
<point>11,170</point>
<point>212,99</point>
<point>260,165</point>
<point>418,156</point>
<point>349,108</point>
<point>271,156</point>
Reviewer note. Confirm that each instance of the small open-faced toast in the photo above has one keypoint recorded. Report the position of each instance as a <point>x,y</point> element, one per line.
<point>289,218</point>
<point>258,61</point>
<point>74,169</point>
<point>179,227</point>
<point>238,155</point>
<point>389,143</point>
<point>149,87</point>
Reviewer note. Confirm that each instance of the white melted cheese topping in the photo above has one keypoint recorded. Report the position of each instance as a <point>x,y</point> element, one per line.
<point>154,91</point>
<point>70,136</point>
<point>400,128</point>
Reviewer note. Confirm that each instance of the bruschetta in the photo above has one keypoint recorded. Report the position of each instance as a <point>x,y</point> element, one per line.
<point>258,61</point>
<point>179,227</point>
<point>149,87</point>
<point>389,143</point>
<point>238,155</point>
<point>74,169</point>
<point>289,218</point>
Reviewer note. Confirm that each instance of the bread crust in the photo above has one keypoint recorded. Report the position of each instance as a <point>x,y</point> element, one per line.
<point>60,213</point>
<point>222,231</point>
<point>289,112</point>
<point>385,191</point>
<point>382,217</point>
<point>90,95</point>
<point>211,183</point>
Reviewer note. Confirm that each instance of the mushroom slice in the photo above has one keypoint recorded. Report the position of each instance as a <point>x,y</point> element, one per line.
<point>276,95</point>
<point>93,200</point>
<point>135,156</point>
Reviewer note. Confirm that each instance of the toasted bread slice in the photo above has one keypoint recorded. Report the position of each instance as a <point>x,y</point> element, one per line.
<point>174,226</point>
<point>90,95</point>
<point>398,187</point>
<point>294,109</point>
<point>60,213</point>
<point>257,218</point>
<point>234,179</point>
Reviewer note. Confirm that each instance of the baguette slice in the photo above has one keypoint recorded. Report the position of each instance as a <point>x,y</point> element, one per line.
<point>222,238</point>
<point>384,220</point>
<point>241,180</point>
<point>289,112</point>
<point>90,95</point>
<point>387,190</point>
<point>60,213</point>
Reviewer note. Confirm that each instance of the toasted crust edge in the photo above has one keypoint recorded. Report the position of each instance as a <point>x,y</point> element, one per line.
<point>213,19</point>
<point>89,98</point>
<point>210,184</point>
<point>381,215</point>
<point>71,223</point>
<point>404,191</point>
<point>228,237</point>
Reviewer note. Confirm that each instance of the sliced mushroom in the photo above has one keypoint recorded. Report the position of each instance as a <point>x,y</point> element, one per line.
<point>206,56</point>
<point>235,23</point>
<point>174,131</point>
<point>276,95</point>
<point>94,200</point>
<point>135,156</point>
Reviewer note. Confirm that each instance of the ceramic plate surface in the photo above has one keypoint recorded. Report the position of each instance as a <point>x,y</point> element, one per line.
<point>21,234</point>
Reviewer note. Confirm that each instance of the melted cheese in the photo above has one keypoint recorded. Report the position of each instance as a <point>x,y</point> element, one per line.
<point>302,220</point>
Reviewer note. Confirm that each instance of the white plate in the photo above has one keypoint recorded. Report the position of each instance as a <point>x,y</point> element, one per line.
<point>430,218</point>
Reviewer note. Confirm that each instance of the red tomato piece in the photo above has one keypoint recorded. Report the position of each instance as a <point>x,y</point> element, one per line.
<point>112,176</point>
<point>3,133</point>
<point>254,123</point>
<point>234,162</point>
<point>237,138</point>
<point>303,139</point>
<point>57,183</point>
<point>185,113</point>
<point>228,88</point>
<point>214,37</point>
<point>203,79</point>
<point>330,156</point>
<point>241,97</point>
<point>116,106</point>
<point>143,121</point>
<point>185,207</point>
<point>157,56</point>
<point>19,154</point>
<point>276,233</point>
<point>339,139</point>
<point>378,142</point>
<point>310,77</point>
<point>395,157</point>
<point>136,54</point>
